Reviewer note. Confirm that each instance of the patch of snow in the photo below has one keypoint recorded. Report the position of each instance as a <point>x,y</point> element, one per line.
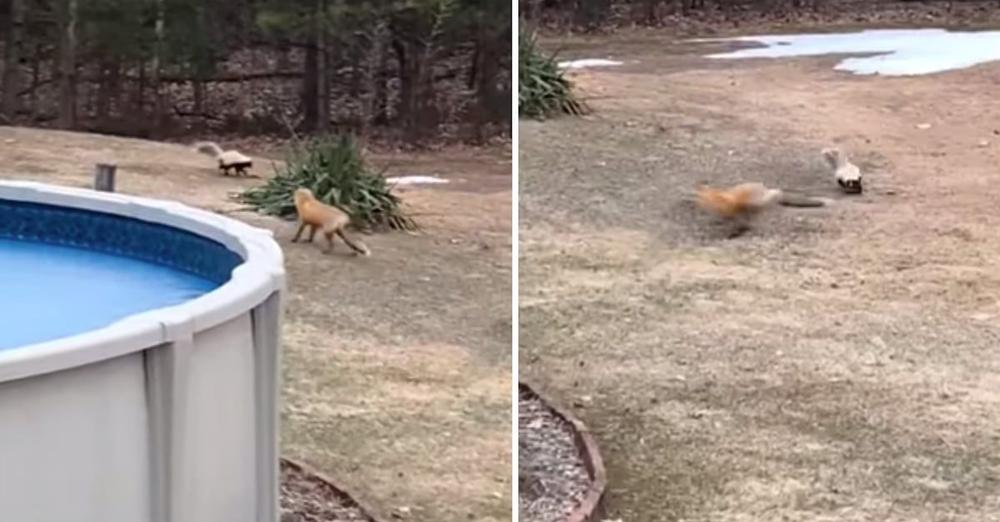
<point>588,62</point>
<point>416,180</point>
<point>897,52</point>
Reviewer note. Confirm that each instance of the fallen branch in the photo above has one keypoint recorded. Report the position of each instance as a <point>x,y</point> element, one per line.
<point>35,87</point>
<point>189,114</point>
<point>226,78</point>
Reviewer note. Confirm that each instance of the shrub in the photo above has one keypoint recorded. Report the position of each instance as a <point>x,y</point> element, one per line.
<point>334,169</point>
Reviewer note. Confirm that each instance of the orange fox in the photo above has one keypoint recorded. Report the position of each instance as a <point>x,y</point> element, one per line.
<point>744,201</point>
<point>318,216</point>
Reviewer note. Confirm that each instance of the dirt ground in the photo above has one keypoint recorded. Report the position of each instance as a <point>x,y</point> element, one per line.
<point>833,364</point>
<point>396,367</point>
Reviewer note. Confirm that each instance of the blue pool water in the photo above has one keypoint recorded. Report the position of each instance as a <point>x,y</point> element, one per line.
<point>49,291</point>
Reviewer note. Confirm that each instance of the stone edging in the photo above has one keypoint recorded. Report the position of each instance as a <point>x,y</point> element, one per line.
<point>591,508</point>
<point>331,483</point>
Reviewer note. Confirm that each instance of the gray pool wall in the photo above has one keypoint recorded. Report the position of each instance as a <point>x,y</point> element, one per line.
<point>166,416</point>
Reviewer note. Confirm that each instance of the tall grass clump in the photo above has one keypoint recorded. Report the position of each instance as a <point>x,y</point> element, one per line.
<point>334,169</point>
<point>543,89</point>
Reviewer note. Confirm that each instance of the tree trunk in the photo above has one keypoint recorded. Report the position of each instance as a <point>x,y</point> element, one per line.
<point>380,96</point>
<point>474,69</point>
<point>487,94</point>
<point>199,96</point>
<point>198,84</point>
<point>67,64</point>
<point>310,85</point>
<point>103,104</point>
<point>12,59</point>
<point>139,96</point>
<point>406,81</point>
<point>359,114</point>
<point>158,99</point>
<point>529,9</point>
<point>284,61</point>
<point>322,72</point>
<point>356,58</point>
<point>590,13</point>
<point>424,114</point>
<point>36,72</point>
<point>115,86</point>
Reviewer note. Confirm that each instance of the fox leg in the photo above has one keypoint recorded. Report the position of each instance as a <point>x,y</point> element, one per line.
<point>359,249</point>
<point>298,233</point>
<point>328,234</point>
<point>742,225</point>
<point>312,233</point>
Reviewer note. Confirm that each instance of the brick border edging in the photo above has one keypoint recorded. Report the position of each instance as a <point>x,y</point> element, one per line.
<point>591,508</point>
<point>307,469</point>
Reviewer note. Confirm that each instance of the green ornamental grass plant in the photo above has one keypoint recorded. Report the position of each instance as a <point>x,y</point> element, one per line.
<point>543,89</point>
<point>334,169</point>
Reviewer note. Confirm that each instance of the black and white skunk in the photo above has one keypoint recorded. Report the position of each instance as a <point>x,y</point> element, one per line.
<point>228,159</point>
<point>847,174</point>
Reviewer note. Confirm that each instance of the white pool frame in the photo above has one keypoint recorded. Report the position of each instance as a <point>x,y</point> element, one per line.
<point>165,416</point>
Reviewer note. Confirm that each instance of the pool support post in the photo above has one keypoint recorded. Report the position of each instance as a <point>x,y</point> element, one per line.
<point>104,178</point>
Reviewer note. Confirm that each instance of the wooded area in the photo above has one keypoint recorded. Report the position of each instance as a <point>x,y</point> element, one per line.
<point>594,14</point>
<point>407,69</point>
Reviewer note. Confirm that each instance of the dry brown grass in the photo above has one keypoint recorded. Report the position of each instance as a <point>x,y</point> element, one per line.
<point>834,364</point>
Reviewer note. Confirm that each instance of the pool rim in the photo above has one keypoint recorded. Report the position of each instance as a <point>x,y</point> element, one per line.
<point>260,275</point>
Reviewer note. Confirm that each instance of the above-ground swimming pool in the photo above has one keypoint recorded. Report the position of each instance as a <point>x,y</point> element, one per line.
<point>46,271</point>
<point>139,348</point>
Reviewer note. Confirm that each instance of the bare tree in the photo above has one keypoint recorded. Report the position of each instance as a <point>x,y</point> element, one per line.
<point>322,70</point>
<point>12,58</point>
<point>157,65</point>
<point>67,18</point>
